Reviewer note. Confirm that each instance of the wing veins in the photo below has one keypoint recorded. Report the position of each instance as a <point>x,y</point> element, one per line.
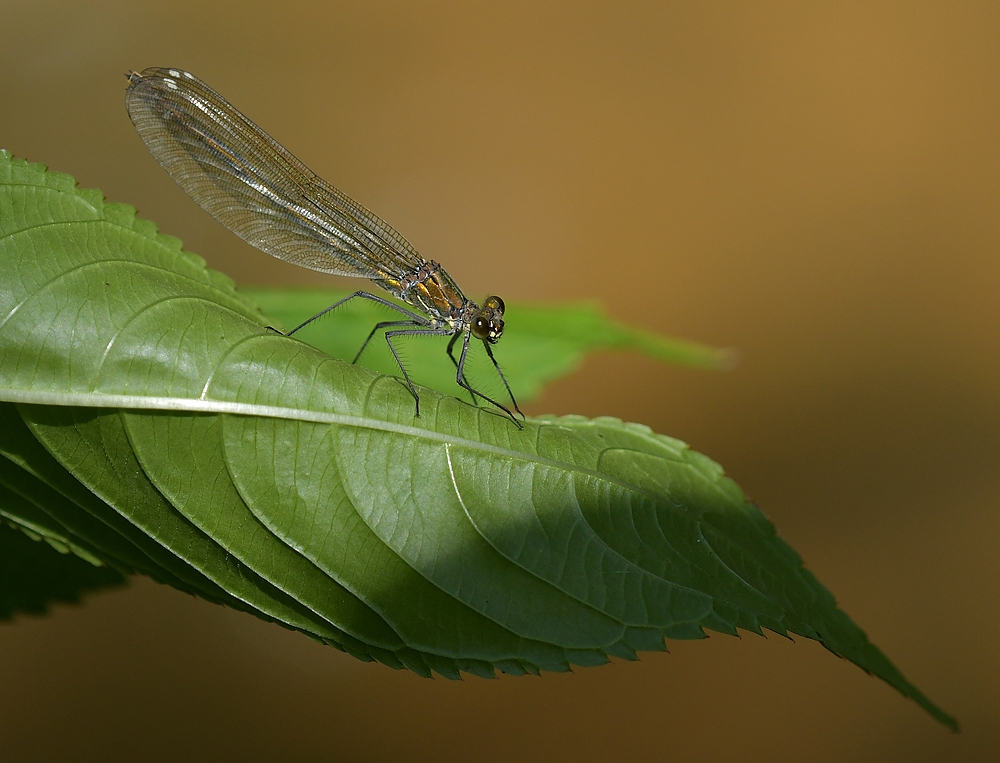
<point>255,187</point>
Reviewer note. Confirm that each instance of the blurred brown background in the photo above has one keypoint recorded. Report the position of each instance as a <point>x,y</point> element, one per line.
<point>817,187</point>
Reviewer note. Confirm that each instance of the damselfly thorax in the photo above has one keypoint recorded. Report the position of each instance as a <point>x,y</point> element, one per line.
<point>255,187</point>
<point>434,292</point>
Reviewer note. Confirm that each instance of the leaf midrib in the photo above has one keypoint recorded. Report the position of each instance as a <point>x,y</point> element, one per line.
<point>201,405</point>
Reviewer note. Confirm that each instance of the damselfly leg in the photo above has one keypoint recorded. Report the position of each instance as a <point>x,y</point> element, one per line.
<point>418,325</point>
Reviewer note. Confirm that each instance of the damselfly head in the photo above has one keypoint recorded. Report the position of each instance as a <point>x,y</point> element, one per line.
<point>487,324</point>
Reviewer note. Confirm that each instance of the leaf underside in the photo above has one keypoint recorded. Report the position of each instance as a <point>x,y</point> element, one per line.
<point>35,573</point>
<point>154,424</point>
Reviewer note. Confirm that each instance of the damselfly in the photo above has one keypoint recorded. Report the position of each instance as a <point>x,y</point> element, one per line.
<point>255,187</point>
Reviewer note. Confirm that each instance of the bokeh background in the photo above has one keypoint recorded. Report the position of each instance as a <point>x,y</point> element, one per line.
<point>816,185</point>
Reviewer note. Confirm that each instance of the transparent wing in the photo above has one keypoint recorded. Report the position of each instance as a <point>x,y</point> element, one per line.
<point>251,184</point>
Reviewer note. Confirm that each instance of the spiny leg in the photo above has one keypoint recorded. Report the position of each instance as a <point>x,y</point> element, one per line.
<point>411,332</point>
<point>451,344</point>
<point>489,351</point>
<point>460,378</point>
<point>418,320</point>
<point>379,326</point>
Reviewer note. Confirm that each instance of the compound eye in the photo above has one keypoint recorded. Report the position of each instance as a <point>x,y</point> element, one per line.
<point>496,303</point>
<point>481,328</point>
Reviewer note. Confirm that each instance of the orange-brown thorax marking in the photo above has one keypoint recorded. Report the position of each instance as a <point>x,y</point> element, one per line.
<point>432,291</point>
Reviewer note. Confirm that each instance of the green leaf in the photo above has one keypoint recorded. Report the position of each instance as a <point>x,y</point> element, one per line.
<point>540,342</point>
<point>256,470</point>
